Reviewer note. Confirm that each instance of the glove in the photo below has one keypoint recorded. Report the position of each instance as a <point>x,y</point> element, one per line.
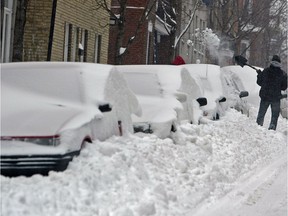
<point>258,71</point>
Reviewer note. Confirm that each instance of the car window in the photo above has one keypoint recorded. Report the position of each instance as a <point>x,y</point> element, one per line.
<point>144,83</point>
<point>233,81</point>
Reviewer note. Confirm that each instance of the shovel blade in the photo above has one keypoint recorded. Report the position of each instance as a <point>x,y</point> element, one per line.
<point>240,60</point>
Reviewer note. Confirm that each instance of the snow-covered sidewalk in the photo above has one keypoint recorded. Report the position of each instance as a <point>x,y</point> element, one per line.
<point>231,161</point>
<point>263,194</point>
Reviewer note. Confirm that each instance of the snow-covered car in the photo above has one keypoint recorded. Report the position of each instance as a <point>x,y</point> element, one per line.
<point>208,78</point>
<point>167,95</point>
<point>238,83</point>
<point>49,110</point>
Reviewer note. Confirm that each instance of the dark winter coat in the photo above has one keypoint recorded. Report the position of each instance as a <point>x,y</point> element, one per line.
<point>272,80</point>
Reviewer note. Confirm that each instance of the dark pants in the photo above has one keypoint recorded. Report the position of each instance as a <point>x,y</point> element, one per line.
<point>275,110</point>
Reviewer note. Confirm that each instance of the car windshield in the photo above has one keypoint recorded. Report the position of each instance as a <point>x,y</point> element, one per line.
<point>144,83</point>
<point>53,80</point>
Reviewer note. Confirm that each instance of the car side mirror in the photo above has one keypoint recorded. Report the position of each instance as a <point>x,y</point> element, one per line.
<point>222,99</point>
<point>105,107</point>
<point>180,96</point>
<point>202,101</point>
<point>243,94</point>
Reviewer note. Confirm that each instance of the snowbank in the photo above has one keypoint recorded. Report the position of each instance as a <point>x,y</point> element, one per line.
<point>140,176</point>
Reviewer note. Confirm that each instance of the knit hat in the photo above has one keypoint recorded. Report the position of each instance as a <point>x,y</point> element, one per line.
<point>178,61</point>
<point>276,58</point>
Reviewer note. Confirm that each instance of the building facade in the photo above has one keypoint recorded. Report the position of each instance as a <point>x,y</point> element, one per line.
<point>155,41</point>
<point>8,8</point>
<point>59,30</point>
<point>190,47</point>
<point>165,26</point>
<point>131,32</point>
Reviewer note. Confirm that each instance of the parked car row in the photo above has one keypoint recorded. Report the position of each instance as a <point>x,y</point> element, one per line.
<point>222,87</point>
<point>49,110</point>
<point>166,95</point>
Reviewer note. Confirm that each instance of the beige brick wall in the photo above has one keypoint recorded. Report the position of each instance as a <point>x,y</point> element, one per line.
<point>82,14</point>
<point>36,35</point>
<point>79,13</point>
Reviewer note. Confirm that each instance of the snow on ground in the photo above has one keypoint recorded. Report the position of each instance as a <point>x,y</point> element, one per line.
<point>265,193</point>
<point>231,163</point>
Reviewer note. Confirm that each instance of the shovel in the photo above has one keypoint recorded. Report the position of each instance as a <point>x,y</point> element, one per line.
<point>242,61</point>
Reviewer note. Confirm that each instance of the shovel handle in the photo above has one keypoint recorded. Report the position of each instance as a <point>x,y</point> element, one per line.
<point>252,67</point>
<point>240,60</point>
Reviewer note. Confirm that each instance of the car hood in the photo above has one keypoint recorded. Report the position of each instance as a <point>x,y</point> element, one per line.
<point>46,121</point>
<point>24,114</point>
<point>157,109</point>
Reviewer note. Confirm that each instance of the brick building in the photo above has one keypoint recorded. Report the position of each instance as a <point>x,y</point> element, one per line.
<point>153,43</point>
<point>54,30</point>
<point>140,50</point>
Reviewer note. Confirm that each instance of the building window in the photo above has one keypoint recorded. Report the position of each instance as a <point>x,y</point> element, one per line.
<point>67,42</point>
<point>82,44</point>
<point>75,43</point>
<point>6,35</point>
<point>85,45</point>
<point>204,25</point>
<point>97,49</point>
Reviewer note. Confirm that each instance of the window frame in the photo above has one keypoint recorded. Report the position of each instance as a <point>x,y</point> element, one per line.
<point>67,42</point>
<point>97,48</point>
<point>6,35</point>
